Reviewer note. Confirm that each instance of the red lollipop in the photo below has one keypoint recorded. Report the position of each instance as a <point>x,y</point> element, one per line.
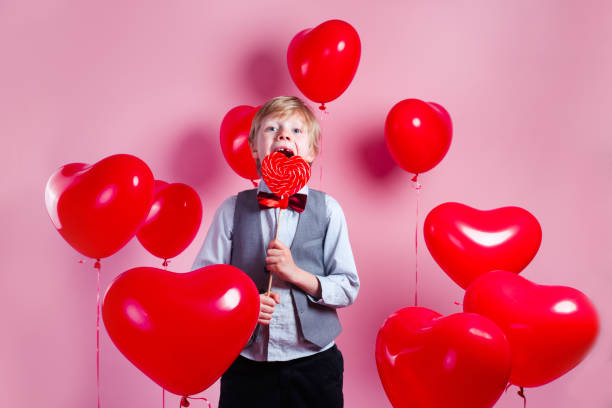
<point>284,176</point>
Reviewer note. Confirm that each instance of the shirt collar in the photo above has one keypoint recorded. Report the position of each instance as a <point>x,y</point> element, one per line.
<point>263,187</point>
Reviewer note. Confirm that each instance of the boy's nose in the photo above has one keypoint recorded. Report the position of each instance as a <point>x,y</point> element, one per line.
<point>283,135</point>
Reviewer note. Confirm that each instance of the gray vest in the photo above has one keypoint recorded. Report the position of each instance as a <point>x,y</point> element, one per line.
<point>319,324</point>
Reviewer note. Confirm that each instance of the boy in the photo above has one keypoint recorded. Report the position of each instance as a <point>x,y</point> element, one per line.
<point>291,360</point>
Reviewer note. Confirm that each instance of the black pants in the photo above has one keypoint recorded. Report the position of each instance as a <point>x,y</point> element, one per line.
<point>313,381</point>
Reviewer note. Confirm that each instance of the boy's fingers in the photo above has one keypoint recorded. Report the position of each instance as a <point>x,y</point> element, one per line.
<point>273,259</point>
<point>267,309</point>
<point>274,298</point>
<point>274,252</point>
<point>266,300</point>
<point>277,244</point>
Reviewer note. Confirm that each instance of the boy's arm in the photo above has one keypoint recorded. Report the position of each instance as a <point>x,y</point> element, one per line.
<point>340,286</point>
<point>217,245</point>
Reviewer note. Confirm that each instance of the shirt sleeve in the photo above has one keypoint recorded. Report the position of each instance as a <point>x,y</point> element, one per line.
<point>340,286</point>
<point>217,245</point>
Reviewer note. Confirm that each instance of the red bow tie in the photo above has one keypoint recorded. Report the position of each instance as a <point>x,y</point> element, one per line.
<point>296,202</point>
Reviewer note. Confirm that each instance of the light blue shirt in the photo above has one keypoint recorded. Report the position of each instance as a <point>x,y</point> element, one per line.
<point>282,339</point>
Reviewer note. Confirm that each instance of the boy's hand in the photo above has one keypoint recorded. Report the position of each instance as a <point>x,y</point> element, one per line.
<point>267,307</point>
<point>280,262</point>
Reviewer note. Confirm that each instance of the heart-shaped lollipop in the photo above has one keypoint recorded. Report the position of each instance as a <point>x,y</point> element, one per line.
<point>284,176</point>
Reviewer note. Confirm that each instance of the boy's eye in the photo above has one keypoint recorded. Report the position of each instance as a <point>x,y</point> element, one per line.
<point>271,128</point>
<point>297,130</point>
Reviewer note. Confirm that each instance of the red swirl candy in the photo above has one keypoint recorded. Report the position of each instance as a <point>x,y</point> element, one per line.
<point>284,176</point>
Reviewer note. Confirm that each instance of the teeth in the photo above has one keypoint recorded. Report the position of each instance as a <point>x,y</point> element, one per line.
<point>286,152</point>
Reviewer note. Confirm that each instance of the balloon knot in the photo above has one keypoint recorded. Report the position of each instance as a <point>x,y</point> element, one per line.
<point>97,264</point>
<point>322,107</point>
<point>184,402</point>
<point>254,183</point>
<point>165,263</point>
<point>458,304</point>
<point>415,178</point>
<point>521,393</point>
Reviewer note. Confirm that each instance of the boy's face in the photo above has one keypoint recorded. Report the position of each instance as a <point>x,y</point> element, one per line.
<point>287,134</point>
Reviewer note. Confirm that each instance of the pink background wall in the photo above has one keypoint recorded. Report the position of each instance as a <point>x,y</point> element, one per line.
<point>527,84</point>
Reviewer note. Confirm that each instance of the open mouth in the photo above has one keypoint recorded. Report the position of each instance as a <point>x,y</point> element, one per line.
<point>288,153</point>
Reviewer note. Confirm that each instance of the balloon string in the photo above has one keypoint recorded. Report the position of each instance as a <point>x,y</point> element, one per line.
<point>323,113</point>
<point>163,398</point>
<point>417,187</point>
<point>321,164</point>
<point>185,403</point>
<point>98,267</point>
<point>521,393</point>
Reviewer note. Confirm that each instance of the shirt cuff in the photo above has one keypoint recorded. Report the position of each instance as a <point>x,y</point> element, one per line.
<point>324,290</point>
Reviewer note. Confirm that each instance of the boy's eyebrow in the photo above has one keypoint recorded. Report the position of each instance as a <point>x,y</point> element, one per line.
<point>277,120</point>
<point>271,121</point>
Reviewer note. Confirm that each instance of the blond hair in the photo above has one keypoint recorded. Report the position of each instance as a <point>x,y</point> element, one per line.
<point>283,106</point>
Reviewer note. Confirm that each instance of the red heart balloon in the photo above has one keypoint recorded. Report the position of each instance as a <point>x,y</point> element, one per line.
<point>467,243</point>
<point>426,360</point>
<point>284,176</point>
<point>173,220</point>
<point>550,328</point>
<point>183,330</point>
<point>234,134</point>
<point>418,134</point>
<point>98,208</point>
<point>323,60</point>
